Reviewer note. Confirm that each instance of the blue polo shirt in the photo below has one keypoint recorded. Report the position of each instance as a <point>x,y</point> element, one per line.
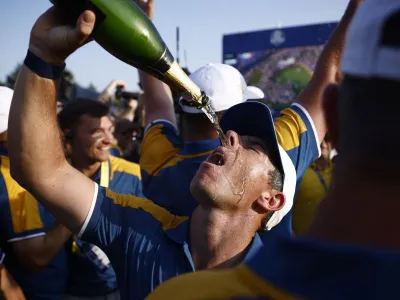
<point>146,244</point>
<point>296,269</point>
<point>169,165</point>
<point>91,272</point>
<point>22,217</point>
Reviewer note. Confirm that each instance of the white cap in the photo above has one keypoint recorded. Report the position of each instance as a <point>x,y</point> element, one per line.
<point>254,93</point>
<point>6,95</point>
<point>365,55</point>
<point>223,84</point>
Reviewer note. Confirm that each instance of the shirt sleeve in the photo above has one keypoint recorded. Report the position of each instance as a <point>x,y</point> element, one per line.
<point>112,215</point>
<point>22,216</point>
<point>161,142</point>
<point>296,134</point>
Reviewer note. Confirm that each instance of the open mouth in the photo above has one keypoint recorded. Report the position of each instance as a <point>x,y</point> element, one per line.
<point>217,158</point>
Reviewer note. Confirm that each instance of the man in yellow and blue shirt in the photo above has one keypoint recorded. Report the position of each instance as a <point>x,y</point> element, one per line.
<point>88,135</point>
<point>36,246</point>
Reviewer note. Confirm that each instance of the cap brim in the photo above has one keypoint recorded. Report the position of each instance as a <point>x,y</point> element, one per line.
<point>253,119</point>
<point>254,93</point>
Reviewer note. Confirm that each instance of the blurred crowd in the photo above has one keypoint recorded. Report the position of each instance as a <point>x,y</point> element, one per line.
<point>110,198</point>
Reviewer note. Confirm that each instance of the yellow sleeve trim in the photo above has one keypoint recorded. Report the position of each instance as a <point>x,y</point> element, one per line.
<point>167,220</point>
<point>289,126</point>
<point>23,206</point>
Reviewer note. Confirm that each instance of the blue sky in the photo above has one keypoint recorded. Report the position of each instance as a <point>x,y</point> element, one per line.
<point>202,24</point>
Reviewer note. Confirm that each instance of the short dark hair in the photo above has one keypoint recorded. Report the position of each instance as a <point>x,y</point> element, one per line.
<point>73,111</point>
<point>276,179</point>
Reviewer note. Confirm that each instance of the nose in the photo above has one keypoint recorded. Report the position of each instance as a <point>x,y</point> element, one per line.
<point>108,138</point>
<point>233,139</point>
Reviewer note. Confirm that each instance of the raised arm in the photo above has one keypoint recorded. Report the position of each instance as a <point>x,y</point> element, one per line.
<point>326,71</point>
<point>157,98</point>
<point>36,153</point>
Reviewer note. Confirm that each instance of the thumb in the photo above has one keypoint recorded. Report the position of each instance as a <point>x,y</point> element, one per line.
<point>84,28</point>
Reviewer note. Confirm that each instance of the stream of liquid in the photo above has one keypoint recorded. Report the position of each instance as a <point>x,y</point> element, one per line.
<point>210,113</point>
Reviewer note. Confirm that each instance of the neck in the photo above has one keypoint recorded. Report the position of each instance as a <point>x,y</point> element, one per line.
<point>88,168</point>
<point>359,210</point>
<point>218,240</point>
<point>198,130</point>
<point>322,163</point>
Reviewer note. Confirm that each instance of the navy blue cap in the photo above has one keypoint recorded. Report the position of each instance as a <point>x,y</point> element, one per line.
<point>253,118</point>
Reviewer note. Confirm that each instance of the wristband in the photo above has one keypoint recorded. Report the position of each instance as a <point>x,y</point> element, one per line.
<point>42,68</point>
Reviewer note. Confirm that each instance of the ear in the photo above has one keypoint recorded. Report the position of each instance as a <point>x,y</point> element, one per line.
<point>268,203</point>
<point>330,106</point>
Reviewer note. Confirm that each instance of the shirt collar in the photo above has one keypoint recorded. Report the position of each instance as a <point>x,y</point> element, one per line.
<point>97,176</point>
<point>200,146</point>
<point>255,245</point>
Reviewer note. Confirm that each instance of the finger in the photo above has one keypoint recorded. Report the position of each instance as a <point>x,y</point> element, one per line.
<point>84,27</point>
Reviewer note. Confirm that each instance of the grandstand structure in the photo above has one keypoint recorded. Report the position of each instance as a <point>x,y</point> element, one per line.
<point>279,61</point>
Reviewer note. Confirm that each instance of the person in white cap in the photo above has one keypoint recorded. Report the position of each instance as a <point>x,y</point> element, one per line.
<point>168,165</point>
<point>34,244</point>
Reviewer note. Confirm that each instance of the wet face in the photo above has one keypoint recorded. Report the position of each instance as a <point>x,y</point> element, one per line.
<point>93,138</point>
<point>237,177</point>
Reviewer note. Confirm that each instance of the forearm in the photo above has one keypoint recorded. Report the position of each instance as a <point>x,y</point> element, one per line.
<point>327,71</point>
<point>53,242</point>
<point>38,252</point>
<point>328,64</point>
<point>36,151</point>
<point>10,289</point>
<point>158,101</point>
<point>127,114</point>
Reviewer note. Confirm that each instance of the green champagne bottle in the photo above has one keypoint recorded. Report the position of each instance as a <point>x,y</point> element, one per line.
<point>125,31</point>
